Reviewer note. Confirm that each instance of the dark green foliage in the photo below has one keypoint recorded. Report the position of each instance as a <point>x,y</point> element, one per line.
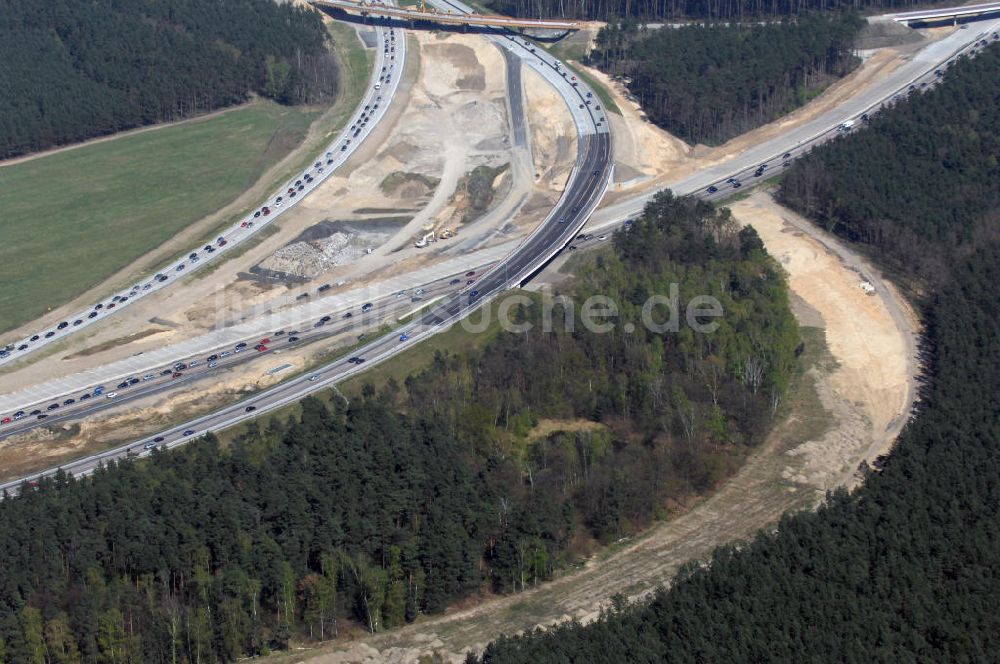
<point>907,568</point>
<point>417,495</point>
<point>922,184</point>
<point>610,10</point>
<point>708,83</point>
<point>73,70</point>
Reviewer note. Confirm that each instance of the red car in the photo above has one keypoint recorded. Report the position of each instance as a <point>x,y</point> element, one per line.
<point>6,420</point>
<point>261,348</point>
<point>470,273</point>
<point>265,340</point>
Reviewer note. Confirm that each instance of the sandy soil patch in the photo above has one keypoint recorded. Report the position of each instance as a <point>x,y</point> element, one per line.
<point>866,384</point>
<point>872,338</point>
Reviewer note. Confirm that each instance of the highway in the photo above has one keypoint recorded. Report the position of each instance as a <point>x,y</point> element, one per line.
<point>584,189</point>
<point>939,13</point>
<point>590,179</point>
<point>389,63</point>
<point>918,72</point>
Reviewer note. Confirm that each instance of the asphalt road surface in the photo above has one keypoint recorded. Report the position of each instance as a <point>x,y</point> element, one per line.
<point>584,191</point>
<point>390,52</point>
<point>563,225</point>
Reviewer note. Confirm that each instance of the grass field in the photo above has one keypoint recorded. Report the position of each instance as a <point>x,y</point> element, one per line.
<point>73,218</point>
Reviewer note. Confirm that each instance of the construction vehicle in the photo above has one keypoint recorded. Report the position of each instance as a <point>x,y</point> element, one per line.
<point>422,242</point>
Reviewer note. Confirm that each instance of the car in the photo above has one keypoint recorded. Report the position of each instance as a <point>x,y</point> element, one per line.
<point>35,412</point>
<point>50,334</point>
<point>149,446</point>
<point>737,185</point>
<point>292,339</point>
<point>473,294</point>
<point>368,306</point>
<point>347,315</point>
<point>261,348</point>
<point>356,360</point>
<point>22,347</point>
<point>62,326</point>
<point>52,406</point>
<point>69,401</point>
<point>318,323</point>
<point>6,420</point>
<point>84,396</point>
<point>416,298</point>
<point>239,350</point>
<point>189,432</point>
<point>324,288</point>
<point>212,358</point>
<point>602,238</point>
<point>313,378</point>
<point>249,409</point>
<point>133,381</point>
<point>179,268</point>
<point>225,353</point>
<point>713,189</point>
<point>111,395</point>
<point>112,305</point>
<point>176,374</point>
<point>469,282</point>
<point>404,337</point>
<point>212,365</point>
<point>325,318</point>
<point>42,416</point>
<point>454,281</point>
<point>180,366</point>
<point>34,338</point>
<point>470,273</point>
<point>19,414</point>
<point>122,385</point>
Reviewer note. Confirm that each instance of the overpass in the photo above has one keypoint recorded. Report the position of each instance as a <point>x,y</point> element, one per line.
<point>376,9</point>
<point>948,13</point>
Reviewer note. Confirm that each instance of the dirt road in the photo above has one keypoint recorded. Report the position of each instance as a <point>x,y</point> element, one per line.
<point>850,407</point>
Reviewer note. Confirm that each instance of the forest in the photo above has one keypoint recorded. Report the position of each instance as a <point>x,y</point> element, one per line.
<point>923,188</point>
<point>905,568</point>
<point>415,495</point>
<point>698,10</point>
<point>75,70</point>
<point>709,83</point>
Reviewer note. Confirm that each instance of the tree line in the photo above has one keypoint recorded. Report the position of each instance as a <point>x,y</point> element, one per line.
<point>699,10</point>
<point>923,188</point>
<point>363,516</point>
<point>905,567</point>
<point>708,83</point>
<point>75,70</point>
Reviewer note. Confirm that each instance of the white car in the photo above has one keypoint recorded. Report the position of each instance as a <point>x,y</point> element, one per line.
<point>111,395</point>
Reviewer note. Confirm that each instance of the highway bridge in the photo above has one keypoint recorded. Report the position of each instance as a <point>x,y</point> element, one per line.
<point>379,10</point>
<point>953,14</point>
